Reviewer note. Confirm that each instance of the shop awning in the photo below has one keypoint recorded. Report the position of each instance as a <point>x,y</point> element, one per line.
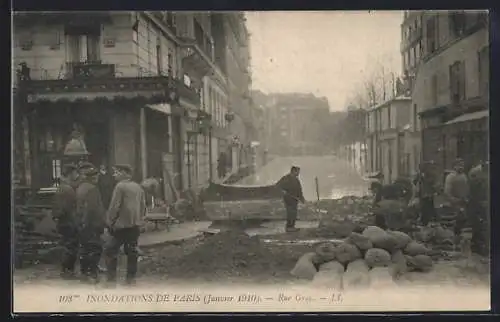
<point>162,108</point>
<point>469,117</point>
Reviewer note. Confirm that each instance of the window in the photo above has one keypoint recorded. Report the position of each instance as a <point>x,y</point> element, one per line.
<point>135,35</point>
<point>389,125</point>
<point>159,60</point>
<point>415,117</point>
<point>83,43</point>
<point>415,58</point>
<point>434,91</point>
<point>170,59</point>
<point>484,71</point>
<point>431,34</point>
<point>457,22</point>
<point>457,82</point>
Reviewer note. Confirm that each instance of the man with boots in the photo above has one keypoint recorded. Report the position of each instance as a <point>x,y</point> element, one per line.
<point>124,220</point>
<point>292,194</point>
<point>91,214</point>
<point>64,214</point>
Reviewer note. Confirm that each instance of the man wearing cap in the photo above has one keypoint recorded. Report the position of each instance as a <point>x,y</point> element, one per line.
<point>91,215</point>
<point>124,218</point>
<point>292,194</point>
<point>456,189</point>
<point>64,214</point>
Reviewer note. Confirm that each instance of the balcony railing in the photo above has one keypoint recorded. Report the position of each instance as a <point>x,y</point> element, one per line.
<point>92,69</point>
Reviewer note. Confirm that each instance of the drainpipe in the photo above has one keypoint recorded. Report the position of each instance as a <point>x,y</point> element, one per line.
<point>144,161</point>
<point>210,167</point>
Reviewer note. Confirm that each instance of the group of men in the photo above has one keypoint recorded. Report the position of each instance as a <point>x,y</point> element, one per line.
<point>466,194</point>
<point>84,213</point>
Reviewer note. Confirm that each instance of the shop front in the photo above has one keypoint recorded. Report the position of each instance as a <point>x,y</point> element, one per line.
<point>54,125</point>
<point>106,120</point>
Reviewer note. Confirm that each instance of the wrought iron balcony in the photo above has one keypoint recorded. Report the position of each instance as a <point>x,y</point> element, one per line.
<point>91,69</point>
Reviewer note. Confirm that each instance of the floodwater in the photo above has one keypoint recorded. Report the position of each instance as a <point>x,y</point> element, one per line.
<point>336,178</point>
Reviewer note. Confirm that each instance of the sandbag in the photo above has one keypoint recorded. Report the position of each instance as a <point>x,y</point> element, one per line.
<point>332,266</point>
<point>380,238</point>
<point>360,241</point>
<point>442,234</point>
<point>421,263</point>
<point>373,231</point>
<point>305,267</point>
<point>377,257</point>
<point>328,279</point>
<point>346,253</point>
<point>381,277</point>
<point>399,264</point>
<point>338,228</point>
<point>425,234</point>
<point>402,239</point>
<point>386,241</point>
<point>414,248</point>
<point>326,252</point>
<point>356,275</point>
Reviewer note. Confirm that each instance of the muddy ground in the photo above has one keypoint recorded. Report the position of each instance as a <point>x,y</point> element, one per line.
<point>167,264</point>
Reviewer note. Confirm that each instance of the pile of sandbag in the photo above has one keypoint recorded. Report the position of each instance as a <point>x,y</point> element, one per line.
<point>374,257</point>
<point>436,236</point>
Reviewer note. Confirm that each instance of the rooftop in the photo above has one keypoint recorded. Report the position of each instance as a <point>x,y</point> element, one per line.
<point>395,99</point>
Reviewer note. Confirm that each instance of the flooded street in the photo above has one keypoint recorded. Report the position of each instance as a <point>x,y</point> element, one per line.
<point>336,178</point>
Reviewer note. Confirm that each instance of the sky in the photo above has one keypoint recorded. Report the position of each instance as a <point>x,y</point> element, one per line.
<point>328,53</point>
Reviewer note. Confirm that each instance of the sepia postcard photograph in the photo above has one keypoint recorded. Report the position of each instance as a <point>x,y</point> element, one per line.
<point>250,161</point>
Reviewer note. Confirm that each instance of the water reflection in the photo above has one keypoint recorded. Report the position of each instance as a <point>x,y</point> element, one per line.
<point>336,178</point>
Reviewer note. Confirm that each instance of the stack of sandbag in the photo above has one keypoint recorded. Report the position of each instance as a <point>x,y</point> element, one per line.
<point>374,258</point>
<point>438,236</point>
<point>417,257</point>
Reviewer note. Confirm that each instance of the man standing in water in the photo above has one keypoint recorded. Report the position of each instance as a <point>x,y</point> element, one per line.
<point>64,213</point>
<point>292,194</point>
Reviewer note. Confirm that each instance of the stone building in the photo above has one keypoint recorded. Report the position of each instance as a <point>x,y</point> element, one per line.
<point>450,94</point>
<point>143,88</point>
<point>296,123</point>
<point>387,140</point>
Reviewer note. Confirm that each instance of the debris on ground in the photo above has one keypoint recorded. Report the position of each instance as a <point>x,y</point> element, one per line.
<point>227,254</point>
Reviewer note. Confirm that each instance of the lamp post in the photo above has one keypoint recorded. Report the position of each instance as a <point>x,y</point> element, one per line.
<point>202,126</point>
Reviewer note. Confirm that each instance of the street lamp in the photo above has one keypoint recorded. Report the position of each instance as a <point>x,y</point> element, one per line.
<point>202,126</point>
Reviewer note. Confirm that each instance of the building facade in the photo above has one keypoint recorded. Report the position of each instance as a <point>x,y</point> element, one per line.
<point>450,94</point>
<point>295,123</point>
<point>412,51</point>
<point>387,139</point>
<point>142,88</point>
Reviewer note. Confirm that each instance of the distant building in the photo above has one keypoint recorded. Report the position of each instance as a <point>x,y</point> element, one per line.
<point>294,123</point>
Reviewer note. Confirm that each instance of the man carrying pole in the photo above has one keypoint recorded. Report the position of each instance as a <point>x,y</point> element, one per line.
<point>292,194</point>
